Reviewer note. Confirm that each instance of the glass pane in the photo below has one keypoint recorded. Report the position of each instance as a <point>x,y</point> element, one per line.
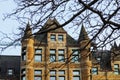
<point>116,66</point>
<point>75,51</point>
<point>116,72</point>
<point>61,51</point>
<point>75,58</point>
<point>76,72</point>
<point>38,51</point>
<point>94,71</point>
<point>61,72</point>
<point>60,37</point>
<point>76,78</point>
<point>10,72</point>
<point>61,78</point>
<point>61,58</point>
<point>52,51</point>
<point>37,78</point>
<point>53,37</point>
<point>23,57</point>
<point>23,78</point>
<point>38,58</point>
<point>52,58</point>
<point>52,78</point>
<point>52,72</point>
<point>23,71</point>
<point>37,72</point>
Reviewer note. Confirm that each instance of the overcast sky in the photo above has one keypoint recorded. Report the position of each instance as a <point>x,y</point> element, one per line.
<point>9,25</point>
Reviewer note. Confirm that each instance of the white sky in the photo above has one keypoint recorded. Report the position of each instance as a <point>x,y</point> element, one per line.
<point>9,25</point>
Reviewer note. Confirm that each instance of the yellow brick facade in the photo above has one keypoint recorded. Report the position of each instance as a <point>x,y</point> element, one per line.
<point>58,70</point>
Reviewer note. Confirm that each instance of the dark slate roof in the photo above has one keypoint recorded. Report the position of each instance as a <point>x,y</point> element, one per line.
<point>9,62</point>
<point>83,34</point>
<point>42,38</point>
<point>71,41</point>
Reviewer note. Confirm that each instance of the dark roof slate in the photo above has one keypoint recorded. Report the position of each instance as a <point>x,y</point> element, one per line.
<point>83,34</point>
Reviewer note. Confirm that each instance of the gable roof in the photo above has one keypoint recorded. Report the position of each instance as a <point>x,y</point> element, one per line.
<point>42,38</point>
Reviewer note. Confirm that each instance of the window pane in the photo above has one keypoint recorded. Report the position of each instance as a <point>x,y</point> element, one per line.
<point>23,56</point>
<point>61,78</point>
<point>37,72</point>
<point>37,78</point>
<point>75,52</point>
<point>94,71</point>
<point>38,58</point>
<point>116,66</point>
<point>116,69</point>
<point>52,51</point>
<point>52,58</point>
<point>75,58</point>
<point>61,72</point>
<point>61,51</point>
<point>23,71</point>
<point>60,37</point>
<point>52,72</point>
<point>61,58</point>
<point>38,51</point>
<point>76,72</point>
<point>23,78</point>
<point>76,78</point>
<point>116,72</point>
<point>10,71</point>
<point>53,37</point>
<point>52,78</point>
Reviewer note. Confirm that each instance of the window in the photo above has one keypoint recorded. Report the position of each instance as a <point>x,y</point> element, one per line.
<point>23,71</point>
<point>61,56</point>
<point>23,53</point>
<point>75,56</point>
<point>116,69</point>
<point>94,70</point>
<point>37,78</point>
<point>76,74</point>
<point>61,74</point>
<point>52,55</point>
<point>37,74</point>
<point>10,71</point>
<point>52,77</point>
<point>53,37</point>
<point>23,56</point>
<point>57,75</point>
<point>38,58</point>
<point>37,51</point>
<point>52,74</point>
<point>23,77</point>
<point>60,37</point>
<point>61,77</point>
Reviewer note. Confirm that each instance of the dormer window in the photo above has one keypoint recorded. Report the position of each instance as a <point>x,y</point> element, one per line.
<point>60,37</point>
<point>53,37</point>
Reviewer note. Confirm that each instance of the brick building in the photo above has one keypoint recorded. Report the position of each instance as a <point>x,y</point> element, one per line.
<point>9,67</point>
<point>55,55</point>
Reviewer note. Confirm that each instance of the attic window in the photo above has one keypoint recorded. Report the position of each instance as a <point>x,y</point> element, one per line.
<point>60,37</point>
<point>116,69</point>
<point>53,37</point>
